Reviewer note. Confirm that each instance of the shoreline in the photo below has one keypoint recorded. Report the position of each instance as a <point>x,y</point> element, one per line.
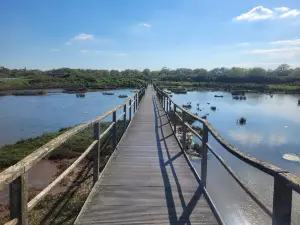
<point>73,189</point>
<point>231,87</point>
<point>46,91</point>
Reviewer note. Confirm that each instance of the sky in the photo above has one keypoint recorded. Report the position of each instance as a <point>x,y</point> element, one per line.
<point>138,34</point>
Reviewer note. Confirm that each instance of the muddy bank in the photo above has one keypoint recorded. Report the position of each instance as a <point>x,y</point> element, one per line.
<point>39,177</point>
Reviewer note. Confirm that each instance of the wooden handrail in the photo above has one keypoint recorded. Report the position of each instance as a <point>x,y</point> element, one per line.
<point>259,164</point>
<point>284,182</point>
<point>16,175</point>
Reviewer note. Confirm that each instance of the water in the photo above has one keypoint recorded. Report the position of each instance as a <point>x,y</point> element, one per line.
<point>23,117</point>
<point>272,130</point>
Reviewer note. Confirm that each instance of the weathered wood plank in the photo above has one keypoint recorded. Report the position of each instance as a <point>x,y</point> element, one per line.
<point>18,194</point>
<point>148,180</point>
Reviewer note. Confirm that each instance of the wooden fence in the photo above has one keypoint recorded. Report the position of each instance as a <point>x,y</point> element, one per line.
<point>17,175</point>
<point>284,182</point>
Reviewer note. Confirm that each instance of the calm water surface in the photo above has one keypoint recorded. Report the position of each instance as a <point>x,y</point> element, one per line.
<point>29,116</point>
<point>272,129</point>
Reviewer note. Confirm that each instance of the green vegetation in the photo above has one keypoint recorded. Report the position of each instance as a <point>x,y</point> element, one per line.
<point>70,78</point>
<point>284,78</point>
<point>11,154</point>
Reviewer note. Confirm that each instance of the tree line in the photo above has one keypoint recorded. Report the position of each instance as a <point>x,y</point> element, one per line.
<point>66,77</point>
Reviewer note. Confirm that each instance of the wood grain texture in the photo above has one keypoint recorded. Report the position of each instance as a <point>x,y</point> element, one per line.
<point>148,180</point>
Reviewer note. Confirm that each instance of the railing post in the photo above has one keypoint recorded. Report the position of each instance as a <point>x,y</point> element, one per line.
<point>134,107</point>
<point>114,131</point>
<point>18,194</point>
<point>167,109</point>
<point>124,118</point>
<point>163,100</point>
<point>175,118</point>
<point>130,102</point>
<point>137,102</point>
<point>183,131</point>
<point>170,107</point>
<point>204,155</point>
<point>282,202</point>
<point>96,152</point>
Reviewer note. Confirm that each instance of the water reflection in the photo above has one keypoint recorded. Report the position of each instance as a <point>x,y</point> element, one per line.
<point>245,137</point>
<point>272,130</point>
<point>29,116</point>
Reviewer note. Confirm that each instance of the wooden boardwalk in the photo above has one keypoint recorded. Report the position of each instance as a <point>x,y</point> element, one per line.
<point>148,180</point>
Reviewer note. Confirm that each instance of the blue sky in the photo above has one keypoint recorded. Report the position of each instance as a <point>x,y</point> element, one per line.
<point>138,34</point>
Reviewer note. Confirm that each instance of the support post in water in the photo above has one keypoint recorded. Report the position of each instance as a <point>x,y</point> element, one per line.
<point>204,155</point>
<point>124,118</point>
<point>282,202</point>
<point>114,131</point>
<point>96,152</point>
<point>183,130</point>
<point>18,195</point>
<point>130,102</point>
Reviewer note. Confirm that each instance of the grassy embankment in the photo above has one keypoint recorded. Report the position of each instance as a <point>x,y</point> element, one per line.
<point>287,88</point>
<point>44,82</point>
<point>60,208</point>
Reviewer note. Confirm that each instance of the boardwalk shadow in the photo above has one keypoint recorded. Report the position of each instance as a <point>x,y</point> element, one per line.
<point>187,209</point>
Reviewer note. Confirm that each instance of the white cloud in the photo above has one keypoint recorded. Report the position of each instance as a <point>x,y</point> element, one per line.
<point>257,13</point>
<point>243,44</point>
<point>286,42</point>
<point>262,13</point>
<point>80,37</point>
<point>288,52</point>
<point>282,9</point>
<point>84,51</point>
<point>146,25</point>
<point>55,50</point>
<point>84,37</point>
<point>291,13</point>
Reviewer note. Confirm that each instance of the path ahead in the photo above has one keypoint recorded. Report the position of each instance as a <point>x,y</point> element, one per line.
<point>148,180</point>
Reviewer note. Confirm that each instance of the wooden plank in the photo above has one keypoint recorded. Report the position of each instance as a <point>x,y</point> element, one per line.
<point>18,197</point>
<point>282,202</point>
<point>148,180</point>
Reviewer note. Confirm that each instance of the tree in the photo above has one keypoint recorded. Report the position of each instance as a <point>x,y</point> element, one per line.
<point>283,70</point>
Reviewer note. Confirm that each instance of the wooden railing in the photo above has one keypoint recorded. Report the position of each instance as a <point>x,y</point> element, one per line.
<point>17,175</point>
<point>284,182</point>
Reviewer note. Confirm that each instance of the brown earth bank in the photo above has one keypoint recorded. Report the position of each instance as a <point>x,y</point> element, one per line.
<point>64,202</point>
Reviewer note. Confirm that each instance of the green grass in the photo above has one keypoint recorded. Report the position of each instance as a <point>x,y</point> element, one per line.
<point>239,86</point>
<point>11,154</point>
<point>62,208</point>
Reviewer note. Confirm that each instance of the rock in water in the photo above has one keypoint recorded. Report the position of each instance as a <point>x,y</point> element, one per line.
<point>291,157</point>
